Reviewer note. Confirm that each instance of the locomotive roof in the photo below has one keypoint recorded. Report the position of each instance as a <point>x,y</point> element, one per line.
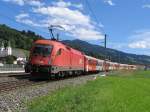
<point>57,43</point>
<point>90,57</point>
<point>47,42</point>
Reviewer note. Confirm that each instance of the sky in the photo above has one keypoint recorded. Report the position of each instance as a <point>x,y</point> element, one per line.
<point>126,22</point>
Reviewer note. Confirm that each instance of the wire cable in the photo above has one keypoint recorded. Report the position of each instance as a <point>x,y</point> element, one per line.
<point>94,15</point>
<point>21,24</point>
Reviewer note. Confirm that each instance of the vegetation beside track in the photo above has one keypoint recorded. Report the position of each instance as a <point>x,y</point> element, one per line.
<point>122,91</point>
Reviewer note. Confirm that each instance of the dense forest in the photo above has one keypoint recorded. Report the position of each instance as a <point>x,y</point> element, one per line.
<point>23,40</point>
<point>18,39</point>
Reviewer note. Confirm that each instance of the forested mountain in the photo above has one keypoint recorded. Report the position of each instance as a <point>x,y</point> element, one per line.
<point>18,39</point>
<point>111,54</point>
<point>24,39</point>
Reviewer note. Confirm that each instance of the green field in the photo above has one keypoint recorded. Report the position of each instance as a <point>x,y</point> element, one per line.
<point>120,92</point>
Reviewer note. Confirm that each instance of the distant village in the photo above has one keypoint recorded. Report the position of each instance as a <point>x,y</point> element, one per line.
<point>5,51</point>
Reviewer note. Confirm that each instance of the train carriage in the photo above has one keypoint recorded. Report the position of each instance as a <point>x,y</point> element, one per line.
<point>111,67</point>
<point>100,64</point>
<point>93,65</point>
<point>106,66</point>
<point>90,64</point>
<point>115,66</point>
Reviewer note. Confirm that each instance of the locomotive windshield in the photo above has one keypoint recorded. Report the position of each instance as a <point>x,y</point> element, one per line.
<point>43,50</point>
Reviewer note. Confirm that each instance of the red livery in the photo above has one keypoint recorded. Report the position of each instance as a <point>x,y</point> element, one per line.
<point>53,57</point>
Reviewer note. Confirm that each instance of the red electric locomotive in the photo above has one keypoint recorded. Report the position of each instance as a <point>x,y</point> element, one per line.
<point>53,57</point>
<point>50,57</point>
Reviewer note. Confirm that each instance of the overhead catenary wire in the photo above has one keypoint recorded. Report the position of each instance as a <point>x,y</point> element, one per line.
<point>102,30</point>
<point>31,27</point>
<point>96,19</point>
<point>21,24</point>
<point>26,25</point>
<point>94,15</point>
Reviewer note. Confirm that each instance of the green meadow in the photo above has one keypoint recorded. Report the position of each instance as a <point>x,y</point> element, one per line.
<point>123,91</point>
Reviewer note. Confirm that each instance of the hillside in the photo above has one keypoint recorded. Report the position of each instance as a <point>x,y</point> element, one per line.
<point>24,39</point>
<point>18,39</point>
<point>111,54</point>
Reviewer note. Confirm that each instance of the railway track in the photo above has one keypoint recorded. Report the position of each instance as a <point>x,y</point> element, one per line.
<point>12,85</point>
<point>24,81</point>
<point>12,74</point>
<point>19,80</point>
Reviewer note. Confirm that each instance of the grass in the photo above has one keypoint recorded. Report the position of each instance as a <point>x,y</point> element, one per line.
<point>120,92</point>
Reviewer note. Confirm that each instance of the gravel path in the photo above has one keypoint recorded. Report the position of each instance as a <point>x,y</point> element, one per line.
<point>14,101</point>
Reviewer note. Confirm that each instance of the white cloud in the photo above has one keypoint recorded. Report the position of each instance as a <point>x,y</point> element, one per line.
<point>74,21</point>
<point>79,6</point>
<point>61,3</point>
<point>139,44</point>
<point>72,16</point>
<point>23,2</point>
<point>141,39</point>
<point>117,45</point>
<point>86,34</point>
<point>25,18</point>
<point>29,22</point>
<point>146,6</point>
<point>35,3</point>
<point>19,2</point>
<point>109,2</point>
<point>21,16</point>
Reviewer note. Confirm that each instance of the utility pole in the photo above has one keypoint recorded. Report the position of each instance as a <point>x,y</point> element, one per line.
<point>105,53</point>
<point>119,57</point>
<point>105,43</point>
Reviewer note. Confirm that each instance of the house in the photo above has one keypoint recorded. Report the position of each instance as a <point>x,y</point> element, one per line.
<point>5,51</point>
<point>9,51</point>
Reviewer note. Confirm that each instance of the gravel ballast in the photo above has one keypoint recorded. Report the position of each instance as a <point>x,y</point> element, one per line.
<point>14,101</point>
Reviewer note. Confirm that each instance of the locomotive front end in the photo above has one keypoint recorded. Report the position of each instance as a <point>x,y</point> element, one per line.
<point>40,57</point>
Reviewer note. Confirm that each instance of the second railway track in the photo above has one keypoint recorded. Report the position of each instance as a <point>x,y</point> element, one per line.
<point>12,85</point>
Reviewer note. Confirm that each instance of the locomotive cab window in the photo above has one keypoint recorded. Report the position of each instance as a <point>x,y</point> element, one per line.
<point>43,50</point>
<point>59,52</point>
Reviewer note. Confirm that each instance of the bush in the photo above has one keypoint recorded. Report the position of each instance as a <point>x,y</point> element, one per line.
<point>10,59</point>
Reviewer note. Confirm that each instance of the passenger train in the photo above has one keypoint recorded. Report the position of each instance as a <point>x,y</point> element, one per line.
<point>51,57</point>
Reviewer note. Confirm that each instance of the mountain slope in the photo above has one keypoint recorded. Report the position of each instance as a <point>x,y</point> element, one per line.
<point>18,39</point>
<point>24,39</point>
<point>111,54</point>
